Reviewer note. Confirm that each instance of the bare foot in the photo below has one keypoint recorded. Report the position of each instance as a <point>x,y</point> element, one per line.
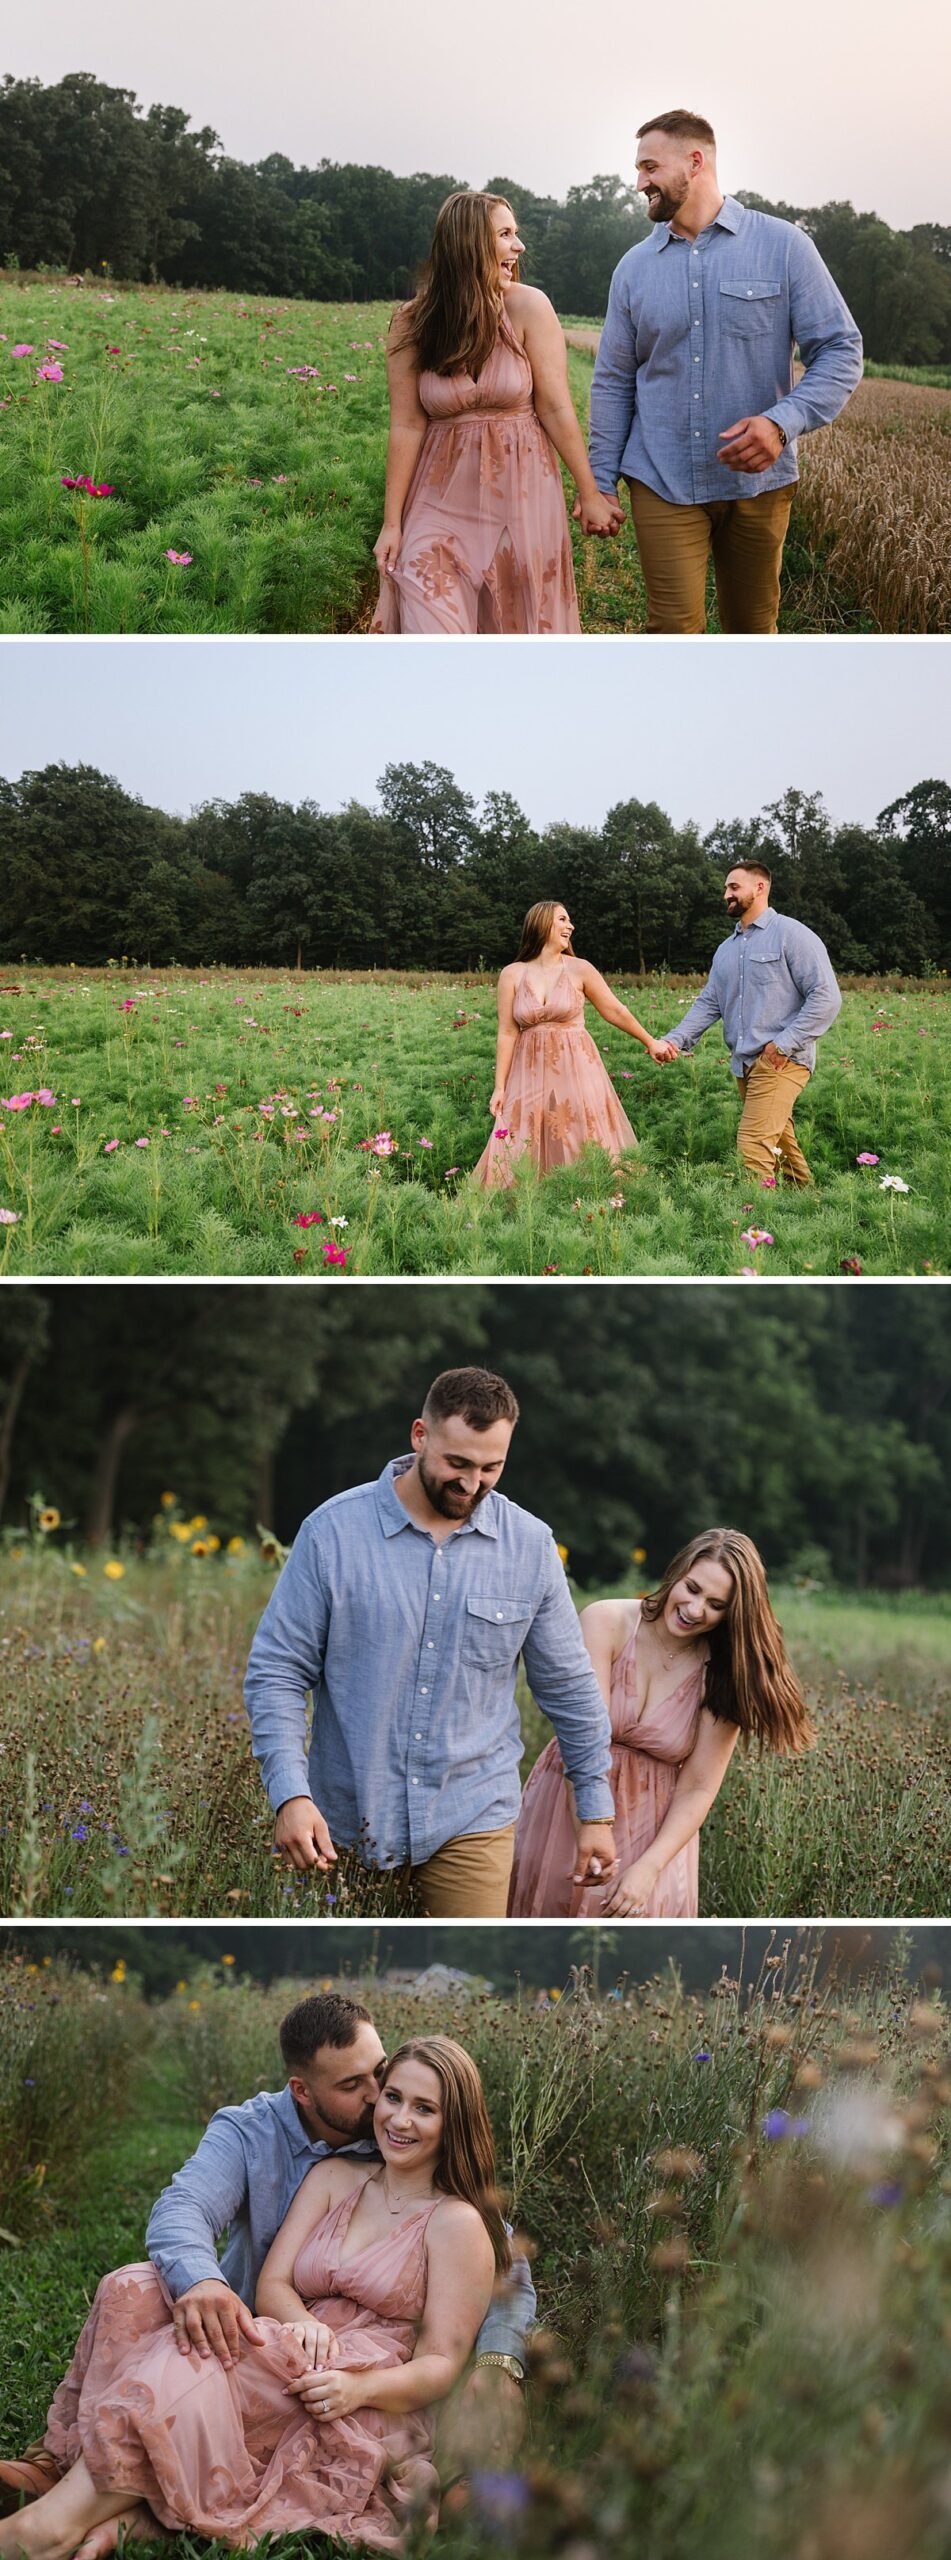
<point>136,2523</point>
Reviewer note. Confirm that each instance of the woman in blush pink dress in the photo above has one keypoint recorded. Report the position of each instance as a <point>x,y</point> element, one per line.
<point>684,1672</point>
<point>368,2304</point>
<point>553,1093</point>
<point>475,534</point>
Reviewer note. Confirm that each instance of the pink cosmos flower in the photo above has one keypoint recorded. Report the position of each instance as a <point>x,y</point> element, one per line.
<point>110,1146</point>
<point>23,350</point>
<point>57,346</point>
<point>308,1218</point>
<point>426,1142</point>
<point>142,1142</point>
<point>755,1236</point>
<point>49,373</point>
<point>9,1218</point>
<point>335,1256</point>
<point>500,1133</point>
<point>866,1159</point>
<point>18,1102</point>
<point>179,559</point>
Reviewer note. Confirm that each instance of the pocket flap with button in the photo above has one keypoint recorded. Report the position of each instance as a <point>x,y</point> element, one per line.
<point>500,1613</point>
<point>739,292</point>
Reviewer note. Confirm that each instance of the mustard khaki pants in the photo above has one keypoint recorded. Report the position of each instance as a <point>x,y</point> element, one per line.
<point>468,1878</point>
<point>766,1139</point>
<point>746,536</point>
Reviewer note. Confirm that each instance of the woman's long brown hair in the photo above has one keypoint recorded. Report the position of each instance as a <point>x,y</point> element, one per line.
<point>466,2166</point>
<point>454,319</point>
<point>749,1678</point>
<point>537,927</point>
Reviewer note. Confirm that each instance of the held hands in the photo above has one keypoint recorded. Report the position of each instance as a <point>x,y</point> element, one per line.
<point>595,1856</point>
<point>301,1835</point>
<point>319,2344</point>
<point>386,547</point>
<point>598,513</point>
<point>213,2320</point>
<point>663,1052</point>
<point>328,2395</point>
<point>631,1891</point>
<point>751,444</point>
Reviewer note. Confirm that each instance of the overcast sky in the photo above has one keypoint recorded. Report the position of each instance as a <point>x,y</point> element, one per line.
<point>832,99</point>
<point>710,729</point>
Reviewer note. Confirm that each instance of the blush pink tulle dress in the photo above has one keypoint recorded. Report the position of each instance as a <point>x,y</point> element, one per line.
<point>558,1094</point>
<point>233,2454</point>
<point>647,1754</point>
<point>485,541</point>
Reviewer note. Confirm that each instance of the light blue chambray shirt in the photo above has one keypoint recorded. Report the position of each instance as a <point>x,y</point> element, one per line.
<point>700,333</point>
<point>775,981</point>
<point>243,2178</point>
<point>410,1650</point>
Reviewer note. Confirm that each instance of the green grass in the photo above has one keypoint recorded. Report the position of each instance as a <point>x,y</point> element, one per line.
<point>933,377</point>
<point>190,407</point>
<point>127,1786</point>
<point>770,2313</point>
<point>197,1120</point>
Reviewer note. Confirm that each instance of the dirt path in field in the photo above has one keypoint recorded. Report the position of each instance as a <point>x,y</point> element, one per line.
<point>586,340</point>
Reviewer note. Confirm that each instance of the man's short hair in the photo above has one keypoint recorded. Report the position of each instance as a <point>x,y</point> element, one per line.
<point>762,869</point>
<point>326,2018</point>
<point>683,125</point>
<point>476,1394</point>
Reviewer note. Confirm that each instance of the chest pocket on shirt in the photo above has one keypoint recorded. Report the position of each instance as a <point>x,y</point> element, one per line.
<point>748,310</point>
<point>495,1629</point>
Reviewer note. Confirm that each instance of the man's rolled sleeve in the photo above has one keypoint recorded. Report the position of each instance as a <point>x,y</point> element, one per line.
<point>564,1685</point>
<point>822,1001</point>
<point>510,2316</point>
<point>828,341</point>
<point>613,389</point>
<point>191,2214</point>
<point>286,1660</point>
<point>705,1010</point>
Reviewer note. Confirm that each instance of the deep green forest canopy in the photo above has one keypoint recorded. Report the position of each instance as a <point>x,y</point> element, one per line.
<point>819,1419</point>
<point>430,880</point>
<point>90,181</point>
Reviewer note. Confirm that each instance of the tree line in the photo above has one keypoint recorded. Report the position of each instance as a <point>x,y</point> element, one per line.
<point>514,1960</point>
<point>430,879</point>
<point>91,181</point>
<point>820,1423</point>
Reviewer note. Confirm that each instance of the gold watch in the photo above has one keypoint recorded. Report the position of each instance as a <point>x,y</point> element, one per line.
<point>505,2364</point>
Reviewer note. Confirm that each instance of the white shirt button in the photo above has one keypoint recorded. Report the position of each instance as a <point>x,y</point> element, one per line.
<point>415,1782</point>
<point>437,1595</point>
<point>417,1737</point>
<point>429,1644</point>
<point>424,1693</point>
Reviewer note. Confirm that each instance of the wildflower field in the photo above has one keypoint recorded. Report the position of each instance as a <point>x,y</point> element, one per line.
<point>250,1123</point>
<point>737,2203</point>
<point>193,462</point>
<point>127,1786</point>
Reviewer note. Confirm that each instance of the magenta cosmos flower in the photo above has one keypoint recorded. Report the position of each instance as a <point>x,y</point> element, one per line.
<point>179,559</point>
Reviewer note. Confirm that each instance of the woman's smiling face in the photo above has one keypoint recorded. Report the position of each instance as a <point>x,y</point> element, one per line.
<point>507,242</point>
<point>408,2116</point>
<point>700,1600</point>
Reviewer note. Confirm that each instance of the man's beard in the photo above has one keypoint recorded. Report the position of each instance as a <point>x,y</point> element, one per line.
<point>449,1500</point>
<point>667,202</point>
<point>362,2131</point>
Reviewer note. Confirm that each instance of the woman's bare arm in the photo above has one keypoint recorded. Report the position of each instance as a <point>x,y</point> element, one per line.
<point>611,1009</point>
<point>697,1788</point>
<point>407,429</point>
<point>544,341</point>
<point>507,1036</point>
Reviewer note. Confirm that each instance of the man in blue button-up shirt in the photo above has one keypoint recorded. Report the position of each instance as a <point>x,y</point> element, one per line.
<point>403,1608</point>
<point>773,987</point>
<point>694,400</point>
